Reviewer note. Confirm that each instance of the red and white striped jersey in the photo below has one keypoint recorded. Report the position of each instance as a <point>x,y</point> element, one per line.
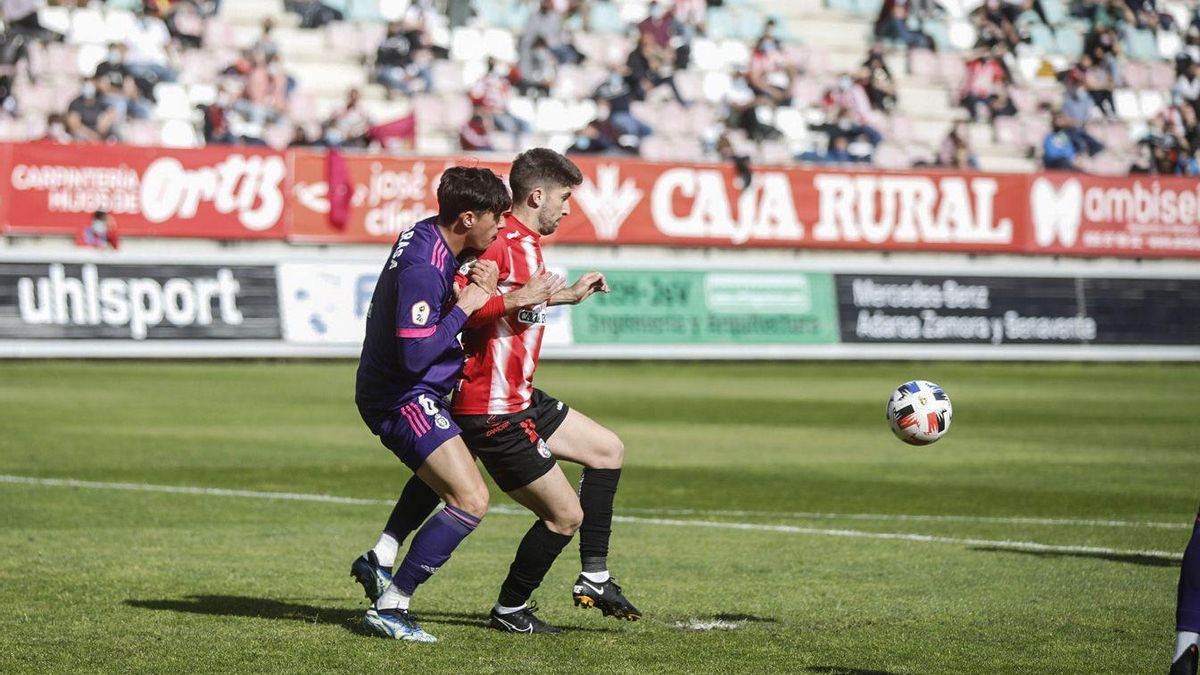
<point>497,376</point>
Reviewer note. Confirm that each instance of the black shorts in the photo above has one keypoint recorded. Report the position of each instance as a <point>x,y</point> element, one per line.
<point>512,447</point>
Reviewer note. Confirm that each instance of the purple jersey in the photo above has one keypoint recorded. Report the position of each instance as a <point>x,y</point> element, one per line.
<point>411,346</point>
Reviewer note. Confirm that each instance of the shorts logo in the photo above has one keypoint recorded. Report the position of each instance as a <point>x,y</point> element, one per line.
<point>543,449</point>
<point>497,428</point>
<point>559,406</point>
<point>441,422</point>
<point>427,405</point>
<point>420,313</point>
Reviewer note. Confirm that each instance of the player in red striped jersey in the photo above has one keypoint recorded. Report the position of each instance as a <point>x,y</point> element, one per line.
<point>518,431</point>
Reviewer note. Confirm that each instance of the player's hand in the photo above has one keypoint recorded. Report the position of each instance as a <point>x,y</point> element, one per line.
<point>540,288</point>
<point>485,274</point>
<point>472,297</point>
<point>586,285</point>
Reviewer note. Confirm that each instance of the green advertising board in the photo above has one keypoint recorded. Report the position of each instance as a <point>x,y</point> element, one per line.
<point>694,307</point>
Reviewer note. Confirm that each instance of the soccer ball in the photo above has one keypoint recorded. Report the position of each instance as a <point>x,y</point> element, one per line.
<point>919,412</point>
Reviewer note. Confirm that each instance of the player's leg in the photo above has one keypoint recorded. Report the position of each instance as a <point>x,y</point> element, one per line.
<point>1187,608</point>
<point>373,569</point>
<point>553,501</point>
<point>582,440</point>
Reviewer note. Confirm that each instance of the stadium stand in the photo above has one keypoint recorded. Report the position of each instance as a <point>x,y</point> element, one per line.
<point>1104,86</point>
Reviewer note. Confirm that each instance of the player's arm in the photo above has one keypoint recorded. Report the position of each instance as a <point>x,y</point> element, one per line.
<point>539,290</point>
<point>581,290</point>
<point>422,333</point>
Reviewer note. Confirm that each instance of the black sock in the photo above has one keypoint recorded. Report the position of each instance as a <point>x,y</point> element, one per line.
<point>535,555</point>
<point>416,502</point>
<point>597,488</point>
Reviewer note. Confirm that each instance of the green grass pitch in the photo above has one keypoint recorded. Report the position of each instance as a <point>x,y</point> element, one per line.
<point>117,580</point>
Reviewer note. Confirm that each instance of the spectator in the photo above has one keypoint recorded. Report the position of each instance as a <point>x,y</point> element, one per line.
<point>349,126</point>
<point>537,70</point>
<point>599,137</point>
<point>878,82</point>
<point>185,23</point>
<point>1187,85</point>
<point>264,95</point>
<point>101,232</point>
<point>845,125</point>
<point>838,152</point>
<point>1078,108</point>
<point>547,23</point>
<point>741,111</point>
<point>668,34</point>
<point>986,86</point>
<point>1100,77</point>
<point>892,24</point>
<point>849,94</point>
<point>401,61</point>
<point>770,75</point>
<point>475,134</point>
<point>492,93</point>
<point>1058,152</point>
<point>313,13</point>
<point>265,43</point>
<point>614,94</point>
<point>647,70</point>
<point>118,87</point>
<point>21,17</point>
<point>216,118</point>
<point>955,151</point>
<point>150,50</point>
<point>56,130</point>
<point>89,118</point>
<point>743,174</point>
<point>994,27</point>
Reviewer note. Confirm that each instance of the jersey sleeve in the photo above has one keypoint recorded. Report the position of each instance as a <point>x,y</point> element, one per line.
<point>420,292</point>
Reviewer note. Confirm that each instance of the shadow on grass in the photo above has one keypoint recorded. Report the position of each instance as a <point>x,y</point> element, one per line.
<point>266,608</point>
<point>841,670</point>
<point>748,618</point>
<point>1146,560</point>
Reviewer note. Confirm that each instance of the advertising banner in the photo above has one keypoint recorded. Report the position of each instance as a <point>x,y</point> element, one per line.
<point>213,193</point>
<point>683,307</point>
<point>387,195</point>
<point>1135,216</point>
<point>327,303</point>
<point>50,300</point>
<point>1017,310</point>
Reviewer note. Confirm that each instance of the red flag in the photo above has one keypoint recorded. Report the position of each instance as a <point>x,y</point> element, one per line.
<point>400,133</point>
<point>337,176</point>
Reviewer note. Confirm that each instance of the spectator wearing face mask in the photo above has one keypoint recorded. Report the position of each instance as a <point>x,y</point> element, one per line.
<point>1079,109</point>
<point>1058,152</point>
<point>848,94</point>
<point>615,94</point>
<point>101,232</point>
<point>89,118</point>
<point>492,94</point>
<point>769,74</point>
<point>118,88</point>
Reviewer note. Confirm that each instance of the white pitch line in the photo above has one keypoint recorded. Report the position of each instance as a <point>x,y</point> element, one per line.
<point>510,510</point>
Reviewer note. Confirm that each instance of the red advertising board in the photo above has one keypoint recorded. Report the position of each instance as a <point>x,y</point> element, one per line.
<point>241,193</point>
<point>1147,216</point>
<point>213,193</point>
<point>631,202</point>
<point>388,194</point>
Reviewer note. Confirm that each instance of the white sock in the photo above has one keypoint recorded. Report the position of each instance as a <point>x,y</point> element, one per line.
<point>385,550</point>
<point>595,577</point>
<point>1183,640</point>
<point>501,609</point>
<point>392,598</point>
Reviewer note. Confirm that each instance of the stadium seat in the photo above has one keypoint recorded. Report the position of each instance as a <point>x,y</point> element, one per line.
<point>466,44</point>
<point>88,57</point>
<point>1069,43</point>
<point>1169,44</point>
<point>180,134</point>
<point>57,19</point>
<point>1141,45</point>
<point>500,45</point>
<point>1152,103</point>
<point>87,27</point>
<point>706,55</point>
<point>523,108</point>
<point>393,10</point>
<point>1136,75</point>
<point>1126,103</point>
<point>604,18</point>
<point>961,35</point>
<point>716,86</point>
<point>551,116</point>
<point>923,63</point>
<point>734,54</point>
<point>172,101</point>
<point>1162,76</point>
<point>118,24</point>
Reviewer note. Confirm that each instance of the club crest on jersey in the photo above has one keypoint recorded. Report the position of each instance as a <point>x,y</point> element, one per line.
<point>420,313</point>
<point>543,449</point>
<point>532,317</point>
<point>441,422</point>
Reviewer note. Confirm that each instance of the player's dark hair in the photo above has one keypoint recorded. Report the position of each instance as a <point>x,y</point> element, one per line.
<point>473,189</point>
<point>541,166</point>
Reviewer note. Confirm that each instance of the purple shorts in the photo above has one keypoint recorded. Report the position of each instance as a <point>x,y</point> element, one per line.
<point>417,428</point>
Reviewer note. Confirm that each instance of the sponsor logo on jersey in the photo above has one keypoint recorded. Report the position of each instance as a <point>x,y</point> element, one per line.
<point>420,313</point>
<point>532,317</point>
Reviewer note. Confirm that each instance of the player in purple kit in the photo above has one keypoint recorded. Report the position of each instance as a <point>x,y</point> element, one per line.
<point>410,361</point>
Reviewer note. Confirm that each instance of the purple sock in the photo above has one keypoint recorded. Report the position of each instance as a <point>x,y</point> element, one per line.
<point>432,546</point>
<point>1187,611</point>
